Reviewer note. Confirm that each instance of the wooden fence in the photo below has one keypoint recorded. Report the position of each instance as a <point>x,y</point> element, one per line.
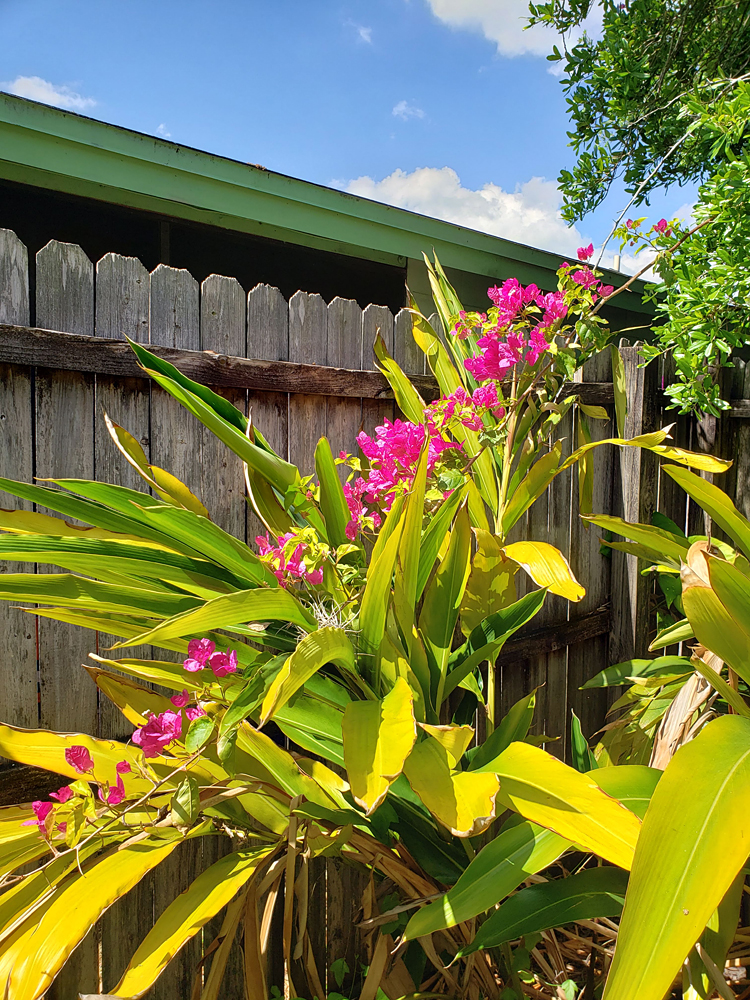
<point>305,368</point>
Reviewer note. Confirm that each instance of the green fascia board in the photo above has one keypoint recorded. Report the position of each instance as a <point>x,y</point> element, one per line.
<point>60,150</point>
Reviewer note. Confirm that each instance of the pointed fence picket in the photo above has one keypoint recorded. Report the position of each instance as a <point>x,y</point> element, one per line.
<point>52,425</point>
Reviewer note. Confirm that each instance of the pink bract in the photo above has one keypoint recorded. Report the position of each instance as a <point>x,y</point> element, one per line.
<point>79,759</point>
<point>62,794</point>
<point>180,700</point>
<point>223,663</point>
<point>199,651</point>
<point>159,732</point>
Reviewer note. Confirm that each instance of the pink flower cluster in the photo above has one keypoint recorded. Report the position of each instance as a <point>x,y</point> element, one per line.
<point>191,711</point>
<point>662,226</point>
<point>201,655</point>
<point>586,278</point>
<point>158,733</point>
<point>499,356</point>
<point>79,758</point>
<point>283,565</point>
<point>361,515</point>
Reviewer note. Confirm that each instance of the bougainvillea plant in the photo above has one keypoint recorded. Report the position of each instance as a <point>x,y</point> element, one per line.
<point>359,629</point>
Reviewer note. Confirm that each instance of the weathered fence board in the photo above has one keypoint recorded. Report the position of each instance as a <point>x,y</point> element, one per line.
<point>300,369</point>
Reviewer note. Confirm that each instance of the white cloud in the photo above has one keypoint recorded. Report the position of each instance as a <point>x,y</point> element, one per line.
<point>162,131</point>
<point>365,33</point>
<point>530,214</point>
<point>405,111</point>
<point>37,89</point>
<point>503,22</point>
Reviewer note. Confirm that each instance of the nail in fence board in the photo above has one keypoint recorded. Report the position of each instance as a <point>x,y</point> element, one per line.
<point>176,438</point>
<point>64,433</point>
<point>18,679</point>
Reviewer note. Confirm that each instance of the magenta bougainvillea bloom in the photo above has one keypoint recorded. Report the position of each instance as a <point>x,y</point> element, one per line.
<point>283,565</point>
<point>180,700</point>
<point>123,767</point>
<point>79,759</point>
<point>159,732</point>
<point>41,812</point>
<point>585,277</point>
<point>199,651</point>
<point>584,253</point>
<point>194,712</point>
<point>62,794</point>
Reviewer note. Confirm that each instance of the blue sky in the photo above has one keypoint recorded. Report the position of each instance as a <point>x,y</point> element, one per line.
<point>443,106</point>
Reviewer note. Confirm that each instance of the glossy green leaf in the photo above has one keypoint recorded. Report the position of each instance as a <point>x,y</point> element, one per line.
<point>581,755</point>
<point>434,535</point>
<point>491,585</point>
<point>406,569</point>
<point>513,728</point>
<point>620,673</point>
<point>664,545</point>
<point>184,917</point>
<point>716,628</point>
<point>442,599</point>
<point>325,645</point>
<point>377,592</point>
<point>408,399</point>
<point>488,638</point>
<point>716,503</point>
<point>620,388</point>
<point>233,609</point>
<point>595,892</point>
<point>199,733</point>
<point>692,845</point>
<point>332,500</point>
<point>79,592</point>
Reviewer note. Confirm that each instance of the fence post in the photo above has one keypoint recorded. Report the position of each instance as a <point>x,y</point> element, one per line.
<point>634,500</point>
<point>18,664</point>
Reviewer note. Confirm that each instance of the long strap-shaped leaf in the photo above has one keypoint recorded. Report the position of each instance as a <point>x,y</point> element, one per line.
<point>693,843</point>
<point>184,917</point>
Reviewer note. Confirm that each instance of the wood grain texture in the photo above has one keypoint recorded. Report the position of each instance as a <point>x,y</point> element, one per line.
<point>14,279</point>
<point>268,339</point>
<point>308,343</point>
<point>344,350</point>
<point>374,319</point>
<point>405,351</point>
<point>65,447</point>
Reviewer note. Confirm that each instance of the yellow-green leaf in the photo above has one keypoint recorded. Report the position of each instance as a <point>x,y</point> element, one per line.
<point>693,843</point>
<point>463,801</point>
<point>135,702</point>
<point>378,737</point>
<point>491,585</point>
<point>408,399</point>
<point>326,645</point>
<point>547,567</point>
<point>544,790</point>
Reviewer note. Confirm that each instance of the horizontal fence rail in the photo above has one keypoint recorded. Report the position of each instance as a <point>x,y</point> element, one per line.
<point>304,368</point>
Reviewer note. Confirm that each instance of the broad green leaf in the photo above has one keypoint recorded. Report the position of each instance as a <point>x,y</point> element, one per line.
<point>245,606</point>
<point>592,893</point>
<point>276,470</point>
<point>266,760</point>
<point>679,632</point>
<point>378,737</point>
<point>60,925</point>
<point>185,802</point>
<point>100,557</point>
<point>664,545</point>
<point>434,535</point>
<point>183,918</point>
<point>408,399</point>
<point>153,363</point>
<point>265,503</point>
<point>621,389</point>
<point>714,501</point>
<point>199,733</point>
<point>463,801</point>
<point>437,356</point>
<point>442,599</point>
<point>326,645</point>
<point>620,673</point>
<point>332,500</point>
<point>377,592</point>
<point>513,728</point>
<point>522,849</point>
<point>79,592</point>
<point>692,845</point>
<point>169,675</point>
<point>583,758</point>
<point>547,567</point>
<point>544,790</point>
<point>406,569</point>
<point>536,481</point>
<point>30,522</point>
<point>488,638</point>
<point>491,585</point>
<point>716,939</point>
<point>716,628</point>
